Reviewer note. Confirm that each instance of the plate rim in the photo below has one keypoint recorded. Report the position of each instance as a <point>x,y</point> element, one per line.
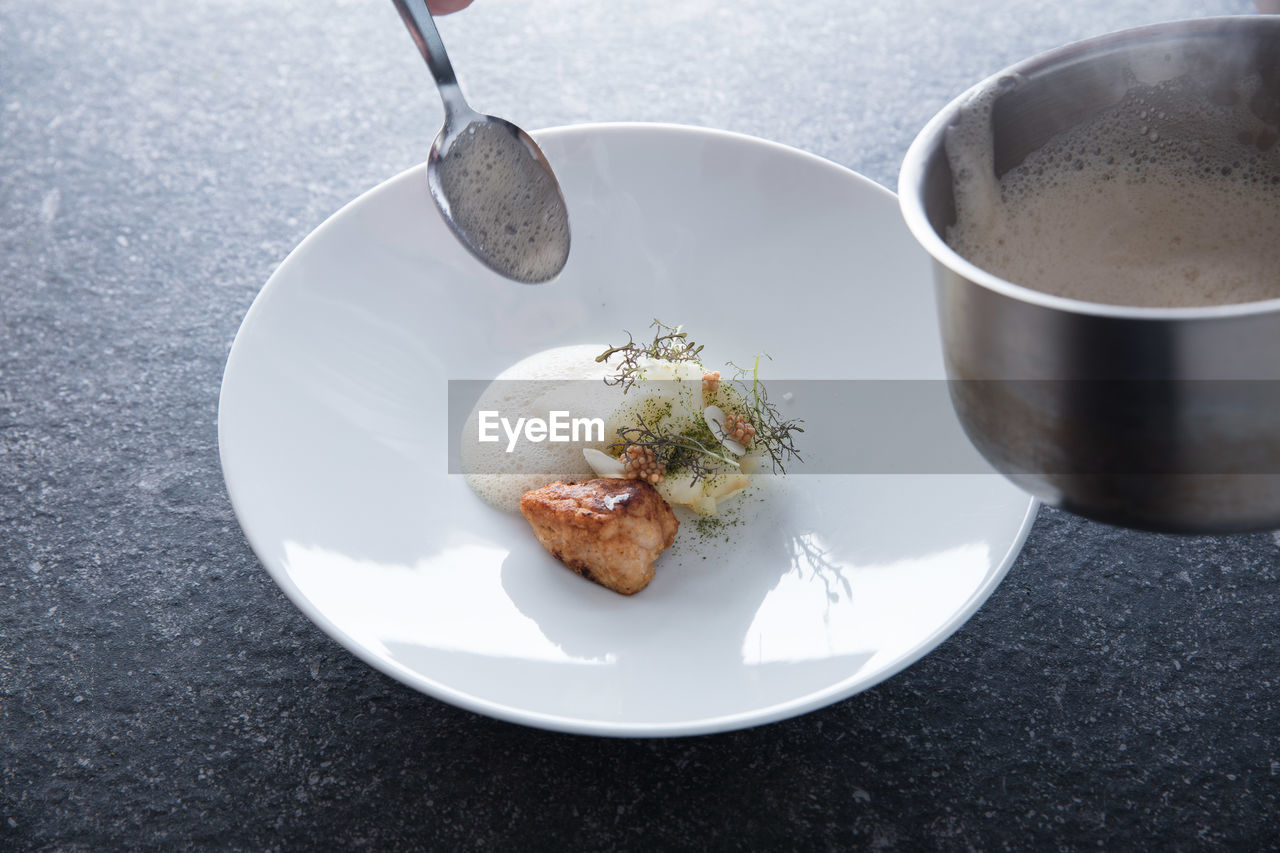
<point>555,722</point>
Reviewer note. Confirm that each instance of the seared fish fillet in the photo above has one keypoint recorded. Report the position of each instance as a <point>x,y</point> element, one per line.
<point>609,531</point>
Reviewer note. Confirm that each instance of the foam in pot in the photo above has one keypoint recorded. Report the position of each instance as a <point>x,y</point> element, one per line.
<point>1170,198</point>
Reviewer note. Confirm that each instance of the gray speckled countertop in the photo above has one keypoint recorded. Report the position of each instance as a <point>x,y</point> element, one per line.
<point>158,160</point>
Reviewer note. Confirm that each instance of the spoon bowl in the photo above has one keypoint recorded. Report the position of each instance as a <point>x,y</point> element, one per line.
<point>490,181</point>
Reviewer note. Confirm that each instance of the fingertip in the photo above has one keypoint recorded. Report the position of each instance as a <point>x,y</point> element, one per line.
<point>445,7</point>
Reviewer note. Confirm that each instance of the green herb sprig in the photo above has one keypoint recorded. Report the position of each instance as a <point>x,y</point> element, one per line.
<point>775,435</point>
<point>670,343</point>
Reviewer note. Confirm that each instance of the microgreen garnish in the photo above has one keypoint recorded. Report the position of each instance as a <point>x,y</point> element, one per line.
<point>670,343</point>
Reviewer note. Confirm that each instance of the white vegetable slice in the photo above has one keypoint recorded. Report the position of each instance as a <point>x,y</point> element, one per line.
<point>603,464</point>
<point>705,505</point>
<point>726,484</point>
<point>681,490</point>
<point>715,418</point>
<point>672,371</point>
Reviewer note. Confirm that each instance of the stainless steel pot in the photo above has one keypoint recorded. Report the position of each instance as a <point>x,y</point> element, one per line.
<point>1157,418</point>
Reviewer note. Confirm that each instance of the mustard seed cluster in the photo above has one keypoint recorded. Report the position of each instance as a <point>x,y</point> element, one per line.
<point>739,429</point>
<point>641,463</point>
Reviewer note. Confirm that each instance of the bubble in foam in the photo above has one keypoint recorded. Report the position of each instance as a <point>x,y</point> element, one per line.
<point>505,202</point>
<point>1169,199</point>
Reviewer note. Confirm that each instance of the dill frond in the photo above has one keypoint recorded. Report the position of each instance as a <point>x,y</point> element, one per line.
<point>774,434</point>
<point>670,343</point>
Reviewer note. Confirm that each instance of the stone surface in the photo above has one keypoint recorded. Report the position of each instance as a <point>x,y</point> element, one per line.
<point>157,160</point>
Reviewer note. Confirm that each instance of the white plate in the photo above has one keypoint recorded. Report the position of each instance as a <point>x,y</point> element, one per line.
<point>333,442</point>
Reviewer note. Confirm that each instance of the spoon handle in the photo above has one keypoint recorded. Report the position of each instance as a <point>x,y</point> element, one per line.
<point>417,20</point>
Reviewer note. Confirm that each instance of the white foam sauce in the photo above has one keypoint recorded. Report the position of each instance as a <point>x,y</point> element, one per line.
<point>533,465</point>
<point>1167,199</point>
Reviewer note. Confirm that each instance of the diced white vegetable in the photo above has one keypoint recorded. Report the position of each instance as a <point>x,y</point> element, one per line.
<point>726,484</point>
<point>683,371</point>
<point>680,491</point>
<point>705,505</point>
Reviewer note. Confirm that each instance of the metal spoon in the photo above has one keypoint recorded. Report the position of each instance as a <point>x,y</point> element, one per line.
<point>490,180</point>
